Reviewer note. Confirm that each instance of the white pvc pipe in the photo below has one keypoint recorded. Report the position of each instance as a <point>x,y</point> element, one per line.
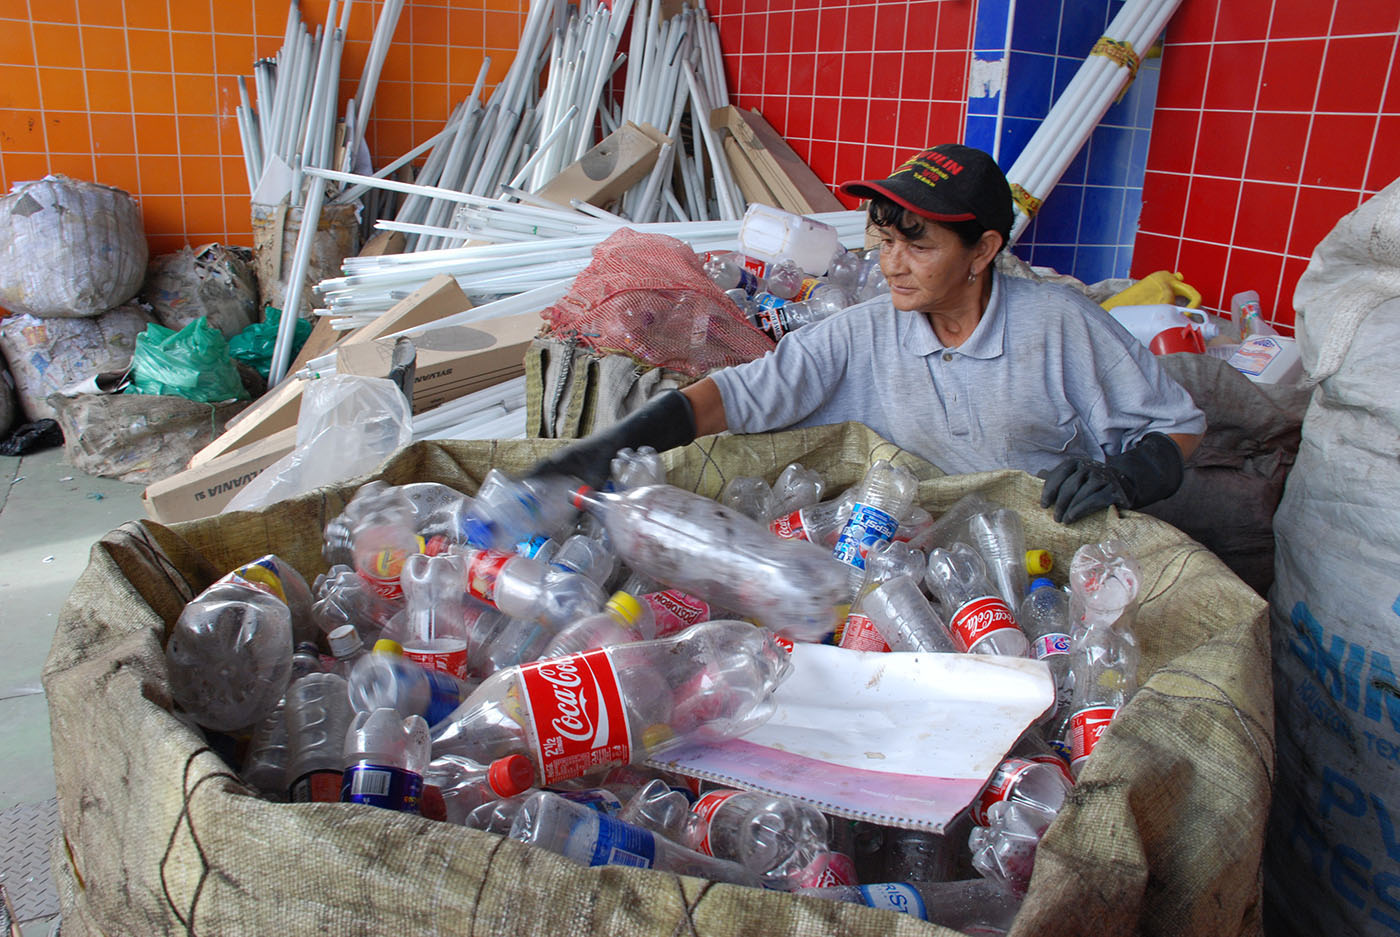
<point>291,311</point>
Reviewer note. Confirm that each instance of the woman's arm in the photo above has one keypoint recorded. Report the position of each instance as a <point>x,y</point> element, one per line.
<point>707,406</point>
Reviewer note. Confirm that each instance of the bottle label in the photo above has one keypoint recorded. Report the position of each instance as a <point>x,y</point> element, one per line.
<point>1049,645</point>
<point>675,611</point>
<point>895,896</point>
<point>790,527</point>
<point>621,843</point>
<point>860,634</point>
<point>482,573</point>
<point>533,546</point>
<point>829,869</point>
<point>444,655</point>
<point>771,319</point>
<point>261,574</point>
<point>575,708</point>
<point>382,786</point>
<point>316,787</point>
<point>1061,749</point>
<point>1007,775</point>
<point>705,809</point>
<point>1086,727</point>
<point>866,527</point>
<point>444,695</point>
<point>978,620</point>
<point>767,301</point>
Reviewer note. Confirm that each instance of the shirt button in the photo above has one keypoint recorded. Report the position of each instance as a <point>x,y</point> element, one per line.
<point>947,356</point>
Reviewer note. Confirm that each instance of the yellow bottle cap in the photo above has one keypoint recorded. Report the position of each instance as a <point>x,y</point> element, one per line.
<point>388,646</point>
<point>626,605</point>
<point>1039,562</point>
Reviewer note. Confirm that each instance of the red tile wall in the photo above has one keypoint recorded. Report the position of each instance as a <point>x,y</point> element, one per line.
<point>1274,119</point>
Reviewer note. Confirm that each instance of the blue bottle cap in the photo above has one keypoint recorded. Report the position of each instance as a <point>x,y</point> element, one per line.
<point>1040,582</point>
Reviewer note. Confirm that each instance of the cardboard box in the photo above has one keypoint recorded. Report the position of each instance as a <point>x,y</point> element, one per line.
<point>454,361</point>
<point>620,161</point>
<point>203,491</point>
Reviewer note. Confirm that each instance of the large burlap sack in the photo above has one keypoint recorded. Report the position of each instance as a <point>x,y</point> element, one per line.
<point>1162,835</point>
<point>69,248</point>
<point>1334,849</point>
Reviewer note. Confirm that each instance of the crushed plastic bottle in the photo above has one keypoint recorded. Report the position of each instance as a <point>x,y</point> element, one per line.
<point>980,621</point>
<point>344,598</point>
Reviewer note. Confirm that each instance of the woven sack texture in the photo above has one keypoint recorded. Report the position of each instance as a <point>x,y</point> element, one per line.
<point>1162,835</point>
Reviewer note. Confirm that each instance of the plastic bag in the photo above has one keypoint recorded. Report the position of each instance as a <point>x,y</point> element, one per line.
<point>193,363</point>
<point>253,346</point>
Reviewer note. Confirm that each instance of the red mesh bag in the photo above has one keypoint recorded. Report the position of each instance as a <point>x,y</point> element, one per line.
<point>646,295</point>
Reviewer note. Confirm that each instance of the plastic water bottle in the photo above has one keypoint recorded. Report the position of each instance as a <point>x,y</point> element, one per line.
<point>385,678</point>
<point>574,715</point>
<point>1044,616</point>
<point>692,543</point>
<point>266,765</point>
<point>728,272</point>
<point>848,270</point>
<point>385,754</point>
<point>464,785</point>
<point>782,841</point>
<point>1104,663</point>
<point>1001,539</point>
<point>622,620</point>
<point>796,487</point>
<point>884,496</point>
<point>435,614</point>
<point>591,838</point>
<point>1104,579</point>
<point>525,588</point>
<point>749,495</point>
<point>318,718</point>
<point>229,655</point>
<point>972,906</point>
<point>919,856</point>
<point>506,511</point>
<point>587,556</point>
<point>346,648</point>
<point>980,621</point>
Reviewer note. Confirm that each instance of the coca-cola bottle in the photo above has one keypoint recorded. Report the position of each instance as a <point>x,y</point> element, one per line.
<point>979,619</point>
<point>435,607</point>
<point>464,785</point>
<point>1104,662</point>
<point>750,495</point>
<point>695,544</point>
<point>522,587</point>
<point>972,906</point>
<point>818,523</point>
<point>796,487</point>
<point>344,598</point>
<point>587,712</point>
<point>899,609</point>
<point>781,840</point>
<point>884,496</point>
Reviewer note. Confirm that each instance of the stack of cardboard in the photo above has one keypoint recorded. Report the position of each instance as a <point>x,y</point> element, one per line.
<point>768,170</point>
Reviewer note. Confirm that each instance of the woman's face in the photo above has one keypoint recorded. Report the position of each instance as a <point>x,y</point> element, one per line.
<point>927,274</point>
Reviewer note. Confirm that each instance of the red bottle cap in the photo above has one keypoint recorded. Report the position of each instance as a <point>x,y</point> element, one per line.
<point>511,775</point>
<point>583,491</point>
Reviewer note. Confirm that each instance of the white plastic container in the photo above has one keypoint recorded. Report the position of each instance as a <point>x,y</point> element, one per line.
<point>1269,359</point>
<point>1146,322</point>
<point>770,234</point>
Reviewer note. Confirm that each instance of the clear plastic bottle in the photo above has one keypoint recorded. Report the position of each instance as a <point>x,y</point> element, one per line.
<point>657,806</point>
<point>674,611</point>
<point>435,614</point>
<point>796,487</point>
<point>385,678</point>
<point>587,556</point>
<point>783,279</point>
<point>623,619</point>
<point>818,523</point>
<point>848,270</point>
<point>1044,617</point>
<point>346,648</point>
<point>885,562</point>
<point>1003,849</point>
<point>898,612</point>
<point>590,838</point>
<point>344,598</point>
<point>727,271</point>
<point>506,511</point>
<point>782,841</point>
<point>497,816</point>
<point>633,468</point>
<point>229,655</point>
<point>695,544</point>
<point>382,537</point>
<point>586,712</point>
<point>1000,537</point>
<point>318,717</point>
<point>1039,784</point>
<point>1104,663</point>
<point>519,642</point>
<point>385,755</point>
<point>784,316</point>
<point>1104,580</point>
<point>464,785</point>
<point>972,906</point>
<point>265,768</point>
<point>884,496</point>
<point>916,528</point>
<point>750,495</point>
<point>980,621</point>
<point>521,587</point>
<point>919,856</point>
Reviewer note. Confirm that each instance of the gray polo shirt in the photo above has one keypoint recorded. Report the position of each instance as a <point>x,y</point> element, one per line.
<point>1046,374</point>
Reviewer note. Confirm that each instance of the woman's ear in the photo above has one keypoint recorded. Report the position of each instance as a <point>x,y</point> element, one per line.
<point>986,249</point>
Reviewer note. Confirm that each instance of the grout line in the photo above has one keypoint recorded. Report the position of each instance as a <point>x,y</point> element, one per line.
<point>39,86</point>
<point>1376,128</point>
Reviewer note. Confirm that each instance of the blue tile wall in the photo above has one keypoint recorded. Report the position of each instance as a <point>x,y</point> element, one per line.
<point>1088,222</point>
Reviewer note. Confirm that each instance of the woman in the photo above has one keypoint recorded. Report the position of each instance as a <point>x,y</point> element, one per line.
<point>959,364</point>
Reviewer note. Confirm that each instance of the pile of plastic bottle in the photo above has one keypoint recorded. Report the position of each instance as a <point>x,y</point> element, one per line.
<point>779,297</point>
<point>508,662</point>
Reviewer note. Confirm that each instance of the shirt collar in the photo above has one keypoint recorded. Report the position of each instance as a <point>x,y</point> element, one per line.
<point>987,341</point>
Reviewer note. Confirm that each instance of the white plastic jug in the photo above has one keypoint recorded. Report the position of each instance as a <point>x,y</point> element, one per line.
<point>1269,359</point>
<point>770,234</point>
<point>1146,322</point>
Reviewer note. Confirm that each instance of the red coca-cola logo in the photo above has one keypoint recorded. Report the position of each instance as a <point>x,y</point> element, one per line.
<point>576,710</point>
<point>571,700</point>
<point>999,787</point>
<point>1087,727</point>
<point>977,619</point>
<point>860,634</point>
<point>789,527</point>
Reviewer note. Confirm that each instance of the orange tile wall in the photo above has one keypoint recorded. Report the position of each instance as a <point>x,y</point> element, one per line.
<point>140,94</point>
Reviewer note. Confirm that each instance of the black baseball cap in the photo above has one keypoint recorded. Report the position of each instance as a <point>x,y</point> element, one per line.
<point>948,182</point>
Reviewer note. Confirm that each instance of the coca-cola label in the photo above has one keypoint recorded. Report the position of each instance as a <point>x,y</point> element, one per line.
<point>860,634</point>
<point>977,620</point>
<point>790,526</point>
<point>705,809</point>
<point>895,896</point>
<point>1049,645</point>
<point>828,870</point>
<point>675,611</point>
<point>482,573</point>
<point>867,526</point>
<point>1004,779</point>
<point>575,707</point>
<point>444,655</point>
<point>1086,727</point>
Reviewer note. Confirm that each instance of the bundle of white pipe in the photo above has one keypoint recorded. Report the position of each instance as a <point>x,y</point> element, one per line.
<point>1083,103</point>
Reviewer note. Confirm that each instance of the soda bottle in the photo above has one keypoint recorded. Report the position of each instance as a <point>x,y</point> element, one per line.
<point>1103,662</point>
<point>496,816</point>
<point>657,806</point>
<point>464,785</point>
<point>521,587</point>
<point>818,523</point>
<point>783,279</point>
<point>385,754</point>
<point>884,496</point>
<point>796,487</point>
<point>229,655</point>
<point>973,906</point>
<point>1044,617</point>
<point>435,614</point>
<point>1039,784</point>
<point>915,528</point>
<point>591,838</point>
<point>586,712</point>
<point>519,642</point>
<point>506,511</point>
<point>318,718</point>
<point>885,562</point>
<point>848,270</point>
<point>692,543</point>
<point>382,536</point>
<point>749,495</point>
<point>727,271</point>
<point>981,623</point>
<point>622,620</point>
<point>1104,579</point>
<point>266,765</point>
<point>344,598</point>
<point>951,525</point>
<point>898,612</point>
<point>1001,539</point>
<point>782,841</point>
<point>385,678</point>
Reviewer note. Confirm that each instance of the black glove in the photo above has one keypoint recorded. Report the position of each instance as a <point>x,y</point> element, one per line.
<point>663,422</point>
<point>1148,472</point>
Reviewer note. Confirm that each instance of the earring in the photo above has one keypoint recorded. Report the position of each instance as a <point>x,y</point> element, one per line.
<point>972,276</point>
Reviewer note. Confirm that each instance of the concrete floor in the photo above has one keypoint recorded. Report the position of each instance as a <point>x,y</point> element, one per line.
<point>50,515</point>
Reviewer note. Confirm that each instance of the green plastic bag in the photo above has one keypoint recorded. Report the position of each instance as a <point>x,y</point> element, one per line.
<point>193,363</point>
<point>253,346</point>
